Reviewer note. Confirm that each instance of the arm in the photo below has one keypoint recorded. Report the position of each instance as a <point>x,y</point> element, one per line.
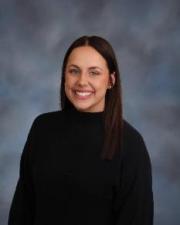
<point>133,204</point>
<point>23,203</point>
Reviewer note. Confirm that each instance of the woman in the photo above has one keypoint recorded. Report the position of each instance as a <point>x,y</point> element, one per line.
<point>85,164</point>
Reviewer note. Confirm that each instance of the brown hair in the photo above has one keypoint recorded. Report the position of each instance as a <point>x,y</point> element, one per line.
<point>112,116</point>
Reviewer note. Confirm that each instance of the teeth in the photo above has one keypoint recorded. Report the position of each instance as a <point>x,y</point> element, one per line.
<point>83,93</point>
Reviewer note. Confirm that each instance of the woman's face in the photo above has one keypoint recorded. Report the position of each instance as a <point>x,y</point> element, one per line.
<point>87,79</point>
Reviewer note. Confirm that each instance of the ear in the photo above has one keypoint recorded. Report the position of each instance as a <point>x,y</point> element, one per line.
<point>112,80</point>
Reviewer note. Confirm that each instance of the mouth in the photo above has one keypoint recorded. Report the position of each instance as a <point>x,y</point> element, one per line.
<point>83,94</point>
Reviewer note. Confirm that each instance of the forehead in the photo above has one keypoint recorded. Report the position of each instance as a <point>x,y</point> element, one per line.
<point>86,56</point>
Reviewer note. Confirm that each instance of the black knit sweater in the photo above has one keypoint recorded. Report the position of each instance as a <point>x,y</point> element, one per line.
<point>64,181</point>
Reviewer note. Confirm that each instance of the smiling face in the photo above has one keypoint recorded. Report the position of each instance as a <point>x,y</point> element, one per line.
<point>87,79</point>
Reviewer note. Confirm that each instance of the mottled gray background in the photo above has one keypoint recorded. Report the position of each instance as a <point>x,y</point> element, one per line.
<point>146,37</point>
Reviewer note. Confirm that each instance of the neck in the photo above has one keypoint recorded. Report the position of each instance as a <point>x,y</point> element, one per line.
<point>84,115</point>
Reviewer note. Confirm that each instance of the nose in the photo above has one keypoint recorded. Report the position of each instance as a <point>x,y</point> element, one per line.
<point>82,80</point>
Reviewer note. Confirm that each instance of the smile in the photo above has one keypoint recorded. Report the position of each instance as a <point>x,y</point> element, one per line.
<point>83,95</point>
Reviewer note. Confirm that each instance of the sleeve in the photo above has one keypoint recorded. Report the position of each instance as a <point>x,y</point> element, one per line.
<point>23,204</point>
<point>133,204</point>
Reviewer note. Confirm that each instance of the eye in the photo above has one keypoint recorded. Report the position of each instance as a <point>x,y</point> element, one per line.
<point>74,71</point>
<point>93,72</point>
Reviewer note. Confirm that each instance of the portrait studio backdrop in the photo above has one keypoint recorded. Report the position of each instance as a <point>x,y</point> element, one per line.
<point>34,36</point>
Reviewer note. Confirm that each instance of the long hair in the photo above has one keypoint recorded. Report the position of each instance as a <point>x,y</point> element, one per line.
<point>112,115</point>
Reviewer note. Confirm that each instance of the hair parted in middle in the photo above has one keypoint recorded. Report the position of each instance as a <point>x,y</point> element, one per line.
<point>112,115</point>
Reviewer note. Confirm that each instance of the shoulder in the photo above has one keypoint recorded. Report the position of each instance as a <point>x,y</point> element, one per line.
<point>134,146</point>
<point>53,115</point>
<point>131,134</point>
<point>47,120</point>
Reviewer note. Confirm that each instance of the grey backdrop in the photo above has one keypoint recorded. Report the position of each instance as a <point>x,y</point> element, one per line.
<point>34,36</point>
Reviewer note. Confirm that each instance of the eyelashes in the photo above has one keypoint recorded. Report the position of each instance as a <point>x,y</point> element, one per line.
<point>76,71</point>
<point>73,71</point>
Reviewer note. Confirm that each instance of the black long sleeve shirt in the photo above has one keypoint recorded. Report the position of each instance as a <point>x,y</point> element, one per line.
<point>64,181</point>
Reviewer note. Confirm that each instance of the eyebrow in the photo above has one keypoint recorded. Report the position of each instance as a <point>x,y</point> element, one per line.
<point>92,67</point>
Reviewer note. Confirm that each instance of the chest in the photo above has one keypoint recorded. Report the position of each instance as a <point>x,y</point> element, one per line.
<point>70,162</point>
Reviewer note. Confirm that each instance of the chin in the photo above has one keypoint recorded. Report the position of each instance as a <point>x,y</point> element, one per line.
<point>83,107</point>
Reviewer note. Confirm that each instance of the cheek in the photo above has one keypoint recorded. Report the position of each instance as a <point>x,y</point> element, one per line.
<point>102,84</point>
<point>68,81</point>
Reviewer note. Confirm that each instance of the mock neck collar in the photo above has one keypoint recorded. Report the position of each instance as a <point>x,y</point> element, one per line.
<point>84,116</point>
